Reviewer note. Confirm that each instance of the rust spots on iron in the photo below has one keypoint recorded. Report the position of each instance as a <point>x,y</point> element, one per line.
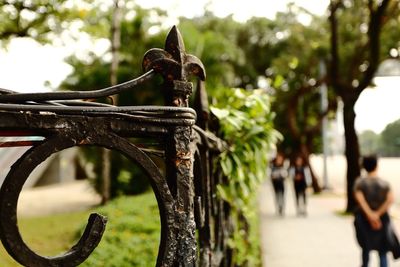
<point>184,158</point>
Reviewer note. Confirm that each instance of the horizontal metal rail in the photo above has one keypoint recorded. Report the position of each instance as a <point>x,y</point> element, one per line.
<point>140,110</point>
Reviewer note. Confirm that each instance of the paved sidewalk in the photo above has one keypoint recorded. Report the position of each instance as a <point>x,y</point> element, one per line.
<point>59,198</point>
<point>322,239</point>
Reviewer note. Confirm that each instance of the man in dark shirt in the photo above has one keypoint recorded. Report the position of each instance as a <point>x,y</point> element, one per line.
<point>372,222</point>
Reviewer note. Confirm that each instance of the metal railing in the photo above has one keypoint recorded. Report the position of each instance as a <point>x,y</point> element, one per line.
<point>186,193</point>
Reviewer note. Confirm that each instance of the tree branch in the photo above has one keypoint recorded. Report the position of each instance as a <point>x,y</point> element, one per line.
<point>292,107</point>
<point>334,66</point>
<point>19,30</point>
<point>332,105</point>
<point>375,26</point>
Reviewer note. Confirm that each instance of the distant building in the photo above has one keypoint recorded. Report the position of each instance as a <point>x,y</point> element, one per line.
<point>59,168</point>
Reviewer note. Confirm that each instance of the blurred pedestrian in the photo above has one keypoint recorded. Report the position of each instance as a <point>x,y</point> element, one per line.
<point>278,175</point>
<point>301,176</point>
<point>374,230</point>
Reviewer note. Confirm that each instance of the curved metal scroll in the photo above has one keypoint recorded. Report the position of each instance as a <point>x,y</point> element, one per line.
<point>9,233</point>
<point>19,173</point>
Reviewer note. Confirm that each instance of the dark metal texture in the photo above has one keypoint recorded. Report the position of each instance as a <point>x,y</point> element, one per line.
<point>186,194</point>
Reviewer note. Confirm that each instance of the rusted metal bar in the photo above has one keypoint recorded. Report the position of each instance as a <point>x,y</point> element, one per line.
<point>18,143</point>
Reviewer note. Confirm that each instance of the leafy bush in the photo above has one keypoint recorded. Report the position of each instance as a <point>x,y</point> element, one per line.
<point>245,122</point>
<point>132,234</point>
<point>126,177</point>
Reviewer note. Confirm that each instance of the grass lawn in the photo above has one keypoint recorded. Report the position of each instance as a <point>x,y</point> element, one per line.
<point>49,235</point>
<point>131,237</point>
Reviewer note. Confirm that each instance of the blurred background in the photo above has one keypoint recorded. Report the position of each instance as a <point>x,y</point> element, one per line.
<point>331,70</point>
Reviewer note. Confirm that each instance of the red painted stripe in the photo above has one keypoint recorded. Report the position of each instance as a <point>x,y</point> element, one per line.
<point>18,143</point>
<point>17,133</point>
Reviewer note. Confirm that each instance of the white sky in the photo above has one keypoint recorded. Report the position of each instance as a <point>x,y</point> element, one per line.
<point>378,106</point>
<point>26,65</point>
<point>240,9</point>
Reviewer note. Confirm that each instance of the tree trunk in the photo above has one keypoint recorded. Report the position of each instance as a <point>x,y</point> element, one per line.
<point>352,152</point>
<point>105,175</point>
<point>115,45</point>
<point>305,152</point>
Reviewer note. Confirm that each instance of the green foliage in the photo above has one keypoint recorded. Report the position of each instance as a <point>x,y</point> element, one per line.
<point>385,144</point>
<point>369,142</point>
<point>246,125</point>
<point>295,77</point>
<point>354,38</point>
<point>390,139</point>
<point>38,19</point>
<point>127,178</point>
<point>93,72</point>
<point>132,234</point>
<point>213,40</point>
<point>234,54</point>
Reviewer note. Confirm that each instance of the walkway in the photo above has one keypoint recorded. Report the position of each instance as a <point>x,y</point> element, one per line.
<point>322,239</point>
<point>59,198</point>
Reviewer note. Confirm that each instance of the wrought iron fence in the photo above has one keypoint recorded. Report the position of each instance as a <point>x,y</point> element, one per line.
<point>185,191</point>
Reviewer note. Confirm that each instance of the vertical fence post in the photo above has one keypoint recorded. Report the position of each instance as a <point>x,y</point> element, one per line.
<point>176,66</point>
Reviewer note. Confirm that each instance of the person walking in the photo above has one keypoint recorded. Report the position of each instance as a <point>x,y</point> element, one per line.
<point>278,175</point>
<point>373,227</point>
<point>301,176</point>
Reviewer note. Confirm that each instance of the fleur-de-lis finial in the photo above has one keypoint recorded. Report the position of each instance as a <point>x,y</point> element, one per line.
<point>173,63</point>
<point>175,66</point>
<point>174,45</point>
